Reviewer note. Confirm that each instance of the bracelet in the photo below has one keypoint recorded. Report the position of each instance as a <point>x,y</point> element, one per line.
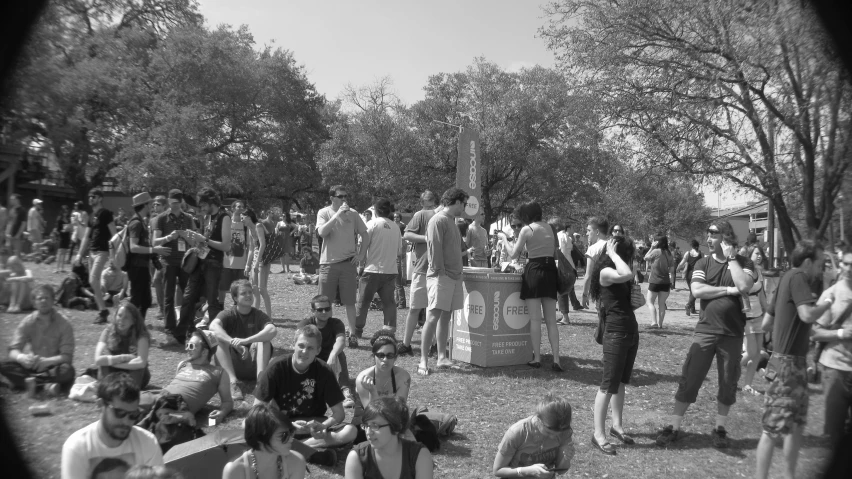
<point>828,300</point>
<point>840,334</point>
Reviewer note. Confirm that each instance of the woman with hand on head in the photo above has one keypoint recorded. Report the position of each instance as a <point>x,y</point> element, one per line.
<point>384,379</point>
<point>123,345</point>
<point>659,283</point>
<point>386,454</point>
<point>540,445</point>
<point>268,250</point>
<point>611,287</point>
<point>269,435</point>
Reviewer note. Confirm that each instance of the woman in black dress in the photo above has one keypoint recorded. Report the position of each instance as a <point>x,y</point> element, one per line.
<point>539,284</point>
<point>611,286</point>
<point>64,229</point>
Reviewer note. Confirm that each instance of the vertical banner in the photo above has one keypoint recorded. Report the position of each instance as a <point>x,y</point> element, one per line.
<point>469,172</point>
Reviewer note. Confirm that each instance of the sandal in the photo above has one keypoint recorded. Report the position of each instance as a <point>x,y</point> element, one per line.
<point>422,371</point>
<point>534,364</point>
<point>556,367</point>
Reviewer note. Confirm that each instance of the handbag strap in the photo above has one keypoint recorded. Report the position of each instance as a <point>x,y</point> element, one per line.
<point>556,249</point>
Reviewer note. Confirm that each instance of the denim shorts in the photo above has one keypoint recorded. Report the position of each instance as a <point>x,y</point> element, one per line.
<point>619,354</point>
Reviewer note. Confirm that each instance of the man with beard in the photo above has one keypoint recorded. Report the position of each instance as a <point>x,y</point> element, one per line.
<point>113,435</point>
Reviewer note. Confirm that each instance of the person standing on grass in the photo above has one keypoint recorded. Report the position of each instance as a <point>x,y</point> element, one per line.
<point>659,284</point>
<point>269,247</point>
<point>379,250</point>
<point>15,225</point>
<point>245,338</point>
<point>114,435</point>
<point>611,287</point>
<point>100,229</point>
<point>64,229</point>
<point>687,264</point>
<point>444,277</point>
<point>141,251</point>
<point>753,330</point>
<point>401,267</point>
<point>236,261</point>
<point>340,227</point>
<point>158,270</point>
<point>35,222</point>
<point>719,281</point>
<point>415,233</point>
<point>50,338</point>
<point>795,309</point>
<point>596,230</point>
<point>333,341</point>
<point>79,220</point>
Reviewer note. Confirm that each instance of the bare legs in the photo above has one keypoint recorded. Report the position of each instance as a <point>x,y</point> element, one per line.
<point>440,320</point>
<point>752,357</point>
<point>603,400</point>
<point>535,307</point>
<point>661,308</point>
<point>410,324</point>
<point>263,279</point>
<point>657,307</point>
<point>766,447</point>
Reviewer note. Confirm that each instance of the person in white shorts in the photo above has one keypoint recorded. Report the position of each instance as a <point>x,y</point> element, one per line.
<point>444,277</point>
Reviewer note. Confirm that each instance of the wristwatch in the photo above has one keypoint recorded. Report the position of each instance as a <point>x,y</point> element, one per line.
<point>732,258</point>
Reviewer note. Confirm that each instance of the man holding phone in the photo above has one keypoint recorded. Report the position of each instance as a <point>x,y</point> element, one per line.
<point>719,281</point>
<point>170,229</point>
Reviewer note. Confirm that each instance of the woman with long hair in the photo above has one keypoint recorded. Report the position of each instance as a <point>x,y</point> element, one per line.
<point>660,280</point>
<point>687,264</point>
<point>753,337</point>
<point>539,279</point>
<point>123,345</point>
<point>64,228</point>
<point>285,229</point>
<point>386,453</point>
<point>269,436</point>
<point>267,240</point>
<point>611,287</point>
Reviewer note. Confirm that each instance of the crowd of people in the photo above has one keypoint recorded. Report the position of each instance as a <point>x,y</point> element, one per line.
<point>225,252</point>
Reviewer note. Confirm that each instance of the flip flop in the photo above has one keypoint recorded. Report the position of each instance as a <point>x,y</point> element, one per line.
<point>444,365</point>
<point>534,364</point>
<point>422,371</point>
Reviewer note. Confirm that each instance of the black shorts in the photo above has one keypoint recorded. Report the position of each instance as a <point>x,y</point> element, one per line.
<point>659,288</point>
<point>229,276</point>
<point>540,279</point>
<point>619,355</point>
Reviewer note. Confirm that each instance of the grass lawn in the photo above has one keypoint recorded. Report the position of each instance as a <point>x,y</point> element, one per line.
<point>486,401</point>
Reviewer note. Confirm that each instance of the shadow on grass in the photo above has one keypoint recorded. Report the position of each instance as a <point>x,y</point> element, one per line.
<point>699,440</point>
<point>450,448</point>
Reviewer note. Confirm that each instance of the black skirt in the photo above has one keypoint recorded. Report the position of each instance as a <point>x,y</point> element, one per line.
<point>540,279</point>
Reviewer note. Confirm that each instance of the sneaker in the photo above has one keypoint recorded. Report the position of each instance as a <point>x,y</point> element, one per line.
<point>236,394</point>
<point>667,436</point>
<point>403,350</point>
<point>53,389</point>
<point>353,341</point>
<point>720,437</point>
<point>326,458</point>
<point>102,317</point>
<point>348,401</point>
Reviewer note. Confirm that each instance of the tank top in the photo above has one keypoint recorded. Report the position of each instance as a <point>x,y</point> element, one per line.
<point>370,468</point>
<point>615,305</point>
<point>691,260</point>
<point>753,293</point>
<point>359,408</point>
<point>540,244</point>
<point>250,465</point>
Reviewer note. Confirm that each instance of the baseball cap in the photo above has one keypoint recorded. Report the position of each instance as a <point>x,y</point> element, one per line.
<point>96,192</point>
<point>37,202</point>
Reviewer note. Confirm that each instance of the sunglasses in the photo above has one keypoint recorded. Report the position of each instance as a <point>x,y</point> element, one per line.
<point>122,413</point>
<point>93,196</point>
<point>341,196</point>
<point>373,427</point>
<point>618,231</point>
<point>712,231</point>
<point>192,346</point>
<point>386,355</point>
<point>322,310</point>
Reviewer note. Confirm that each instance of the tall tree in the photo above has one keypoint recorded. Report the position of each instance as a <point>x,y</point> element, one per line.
<point>750,92</point>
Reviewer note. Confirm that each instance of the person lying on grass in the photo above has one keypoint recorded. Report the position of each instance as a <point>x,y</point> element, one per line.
<point>303,387</point>
<point>49,338</point>
<point>245,336</point>
<point>540,445</point>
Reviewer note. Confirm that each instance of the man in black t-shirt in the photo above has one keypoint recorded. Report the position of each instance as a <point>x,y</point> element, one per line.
<point>304,387</point>
<point>139,268</point>
<point>785,409</point>
<point>333,340</point>
<point>245,338</point>
<point>99,231</point>
<point>719,281</point>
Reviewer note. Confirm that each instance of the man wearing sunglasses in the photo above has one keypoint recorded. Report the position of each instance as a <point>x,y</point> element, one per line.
<point>339,226</point>
<point>333,341</point>
<point>113,435</point>
<point>719,281</point>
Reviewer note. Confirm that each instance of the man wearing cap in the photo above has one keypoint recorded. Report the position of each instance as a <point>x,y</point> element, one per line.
<point>157,207</point>
<point>35,222</point>
<point>138,271</point>
<point>169,231</point>
<point>100,229</point>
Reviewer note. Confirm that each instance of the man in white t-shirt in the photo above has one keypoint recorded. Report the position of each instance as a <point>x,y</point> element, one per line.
<point>597,231</point>
<point>112,440</point>
<point>380,248</point>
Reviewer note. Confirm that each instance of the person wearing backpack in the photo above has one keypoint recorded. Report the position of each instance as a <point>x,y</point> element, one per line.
<point>138,264</point>
<point>100,229</point>
<point>659,283</point>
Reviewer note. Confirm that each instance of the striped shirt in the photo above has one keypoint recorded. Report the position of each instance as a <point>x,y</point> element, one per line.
<point>723,315</point>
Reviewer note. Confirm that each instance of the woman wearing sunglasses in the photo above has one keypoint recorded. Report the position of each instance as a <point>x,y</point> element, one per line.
<point>197,381</point>
<point>269,435</point>
<point>123,345</point>
<point>660,281</point>
<point>386,453</point>
<point>539,283</point>
<point>384,379</point>
<point>540,445</point>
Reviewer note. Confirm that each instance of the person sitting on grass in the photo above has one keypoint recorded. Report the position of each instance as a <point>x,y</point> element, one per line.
<point>49,337</point>
<point>245,335</point>
<point>269,435</point>
<point>75,292</point>
<point>197,381</point>
<point>308,267</point>
<point>540,445</point>
<point>333,340</point>
<point>113,284</point>
<point>304,388</point>
<point>114,435</point>
<point>155,472</point>
<point>386,453</point>
<point>123,345</point>
<point>16,287</point>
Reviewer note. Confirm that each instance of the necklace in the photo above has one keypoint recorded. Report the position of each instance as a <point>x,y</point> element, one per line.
<point>280,463</point>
